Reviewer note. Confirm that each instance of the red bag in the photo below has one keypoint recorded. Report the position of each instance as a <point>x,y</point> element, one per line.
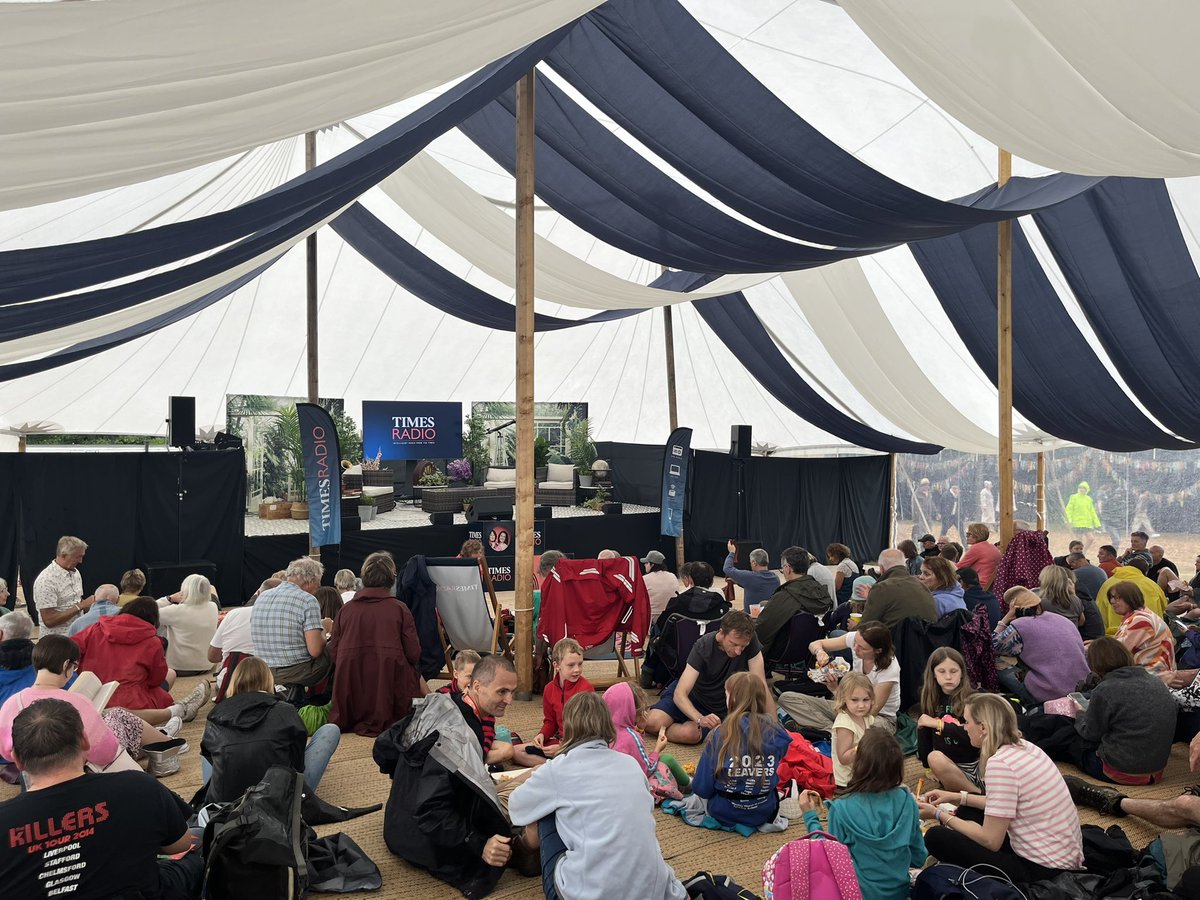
<point>808,767</point>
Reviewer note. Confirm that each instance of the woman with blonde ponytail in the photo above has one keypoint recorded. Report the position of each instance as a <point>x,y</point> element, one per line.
<point>1026,824</point>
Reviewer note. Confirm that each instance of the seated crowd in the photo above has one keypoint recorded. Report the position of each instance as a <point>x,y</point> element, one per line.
<point>990,677</point>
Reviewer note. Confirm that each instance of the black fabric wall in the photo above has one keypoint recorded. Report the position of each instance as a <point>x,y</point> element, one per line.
<point>127,507</point>
<point>9,524</point>
<point>809,502</point>
<point>636,471</point>
<point>580,536</point>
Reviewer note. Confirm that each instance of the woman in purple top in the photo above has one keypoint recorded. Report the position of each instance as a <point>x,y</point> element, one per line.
<point>1052,659</point>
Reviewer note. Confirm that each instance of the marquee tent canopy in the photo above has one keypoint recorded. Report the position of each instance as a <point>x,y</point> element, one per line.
<point>884,347</point>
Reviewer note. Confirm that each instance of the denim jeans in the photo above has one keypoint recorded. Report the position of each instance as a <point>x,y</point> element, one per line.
<point>317,754</point>
<point>1011,684</point>
<point>553,849</point>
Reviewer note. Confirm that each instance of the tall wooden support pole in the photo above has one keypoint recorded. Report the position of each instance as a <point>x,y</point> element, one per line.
<point>523,577</point>
<point>672,405</point>
<point>310,161</point>
<point>1041,491</point>
<point>891,537</point>
<point>1004,358</point>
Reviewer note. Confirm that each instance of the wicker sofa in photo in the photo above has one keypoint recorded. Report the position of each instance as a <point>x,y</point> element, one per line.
<point>559,487</point>
<point>450,499</point>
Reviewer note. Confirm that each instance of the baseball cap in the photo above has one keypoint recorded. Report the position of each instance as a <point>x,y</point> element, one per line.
<point>654,557</point>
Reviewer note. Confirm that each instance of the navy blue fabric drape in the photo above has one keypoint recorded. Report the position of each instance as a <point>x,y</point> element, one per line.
<point>660,74</point>
<point>1124,256</point>
<point>440,288</point>
<point>91,347</point>
<point>605,187</point>
<point>1059,384</point>
<point>265,221</point>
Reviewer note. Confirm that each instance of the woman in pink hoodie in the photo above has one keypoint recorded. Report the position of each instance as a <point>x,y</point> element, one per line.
<point>628,705</point>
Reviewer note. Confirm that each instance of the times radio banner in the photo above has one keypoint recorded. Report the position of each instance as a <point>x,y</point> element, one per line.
<point>322,474</point>
<point>394,429</point>
<point>499,540</point>
<point>674,481</point>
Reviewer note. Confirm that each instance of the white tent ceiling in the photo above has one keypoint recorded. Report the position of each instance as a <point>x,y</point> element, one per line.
<point>379,342</point>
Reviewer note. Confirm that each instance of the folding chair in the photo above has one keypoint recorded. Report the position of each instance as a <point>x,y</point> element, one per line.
<point>612,649</point>
<point>467,609</point>
<point>802,630</point>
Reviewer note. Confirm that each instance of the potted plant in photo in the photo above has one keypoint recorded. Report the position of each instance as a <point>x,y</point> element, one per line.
<point>366,508</point>
<point>432,478</point>
<point>541,458</point>
<point>582,451</point>
<point>459,471</point>
<point>596,501</point>
<point>475,449</point>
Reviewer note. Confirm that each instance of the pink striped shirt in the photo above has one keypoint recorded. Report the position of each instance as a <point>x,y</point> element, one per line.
<point>1025,787</point>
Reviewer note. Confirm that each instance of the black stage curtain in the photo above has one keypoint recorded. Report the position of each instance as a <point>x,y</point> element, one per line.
<point>809,502</point>
<point>208,524</point>
<point>127,507</point>
<point>636,471</point>
<point>579,536</point>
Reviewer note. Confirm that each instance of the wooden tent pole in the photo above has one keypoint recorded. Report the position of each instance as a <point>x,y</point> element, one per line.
<point>892,487</point>
<point>310,243</point>
<point>523,576</point>
<point>1004,357</point>
<point>672,405</point>
<point>310,303</point>
<point>1041,490</point>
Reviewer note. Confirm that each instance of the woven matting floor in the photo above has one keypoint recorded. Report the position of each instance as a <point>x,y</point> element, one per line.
<point>353,779</point>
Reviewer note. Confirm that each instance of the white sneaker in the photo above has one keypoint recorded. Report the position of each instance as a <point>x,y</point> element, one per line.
<point>193,702</point>
<point>173,726</point>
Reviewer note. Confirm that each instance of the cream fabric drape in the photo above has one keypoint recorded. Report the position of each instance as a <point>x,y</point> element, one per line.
<point>1103,87</point>
<point>471,226</point>
<point>98,95</point>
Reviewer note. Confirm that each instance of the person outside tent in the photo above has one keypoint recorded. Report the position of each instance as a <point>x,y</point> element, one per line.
<point>1081,511</point>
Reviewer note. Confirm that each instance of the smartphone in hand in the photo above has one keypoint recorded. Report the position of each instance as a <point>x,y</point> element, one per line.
<point>1080,700</point>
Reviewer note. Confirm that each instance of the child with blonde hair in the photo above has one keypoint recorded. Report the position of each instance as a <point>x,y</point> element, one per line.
<point>568,681</point>
<point>464,667</point>
<point>739,768</point>
<point>852,718</point>
<point>628,705</point>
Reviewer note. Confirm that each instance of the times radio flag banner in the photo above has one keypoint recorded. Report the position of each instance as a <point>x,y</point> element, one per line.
<point>322,474</point>
<point>674,481</point>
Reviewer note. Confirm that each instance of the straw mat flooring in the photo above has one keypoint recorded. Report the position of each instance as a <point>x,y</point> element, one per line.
<point>353,779</point>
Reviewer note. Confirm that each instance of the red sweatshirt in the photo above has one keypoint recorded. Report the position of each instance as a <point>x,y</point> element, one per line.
<point>554,697</point>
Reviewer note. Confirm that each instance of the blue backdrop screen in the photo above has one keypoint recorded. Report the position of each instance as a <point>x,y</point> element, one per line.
<point>412,430</point>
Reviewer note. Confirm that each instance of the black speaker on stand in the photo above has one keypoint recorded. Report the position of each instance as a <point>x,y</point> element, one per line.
<point>181,422</point>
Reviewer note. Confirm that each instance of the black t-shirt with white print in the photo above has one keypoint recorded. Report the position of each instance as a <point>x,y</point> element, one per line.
<point>95,836</point>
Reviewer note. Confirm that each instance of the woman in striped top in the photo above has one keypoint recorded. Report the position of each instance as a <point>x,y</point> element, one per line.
<point>1143,632</point>
<point>1026,823</point>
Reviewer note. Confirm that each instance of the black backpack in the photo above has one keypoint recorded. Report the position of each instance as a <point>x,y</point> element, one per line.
<point>257,847</point>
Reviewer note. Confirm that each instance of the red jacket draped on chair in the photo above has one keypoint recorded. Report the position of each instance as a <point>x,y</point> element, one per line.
<point>592,599</point>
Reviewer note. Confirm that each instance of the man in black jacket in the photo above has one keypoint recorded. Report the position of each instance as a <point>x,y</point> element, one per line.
<point>800,592</point>
<point>443,814</point>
